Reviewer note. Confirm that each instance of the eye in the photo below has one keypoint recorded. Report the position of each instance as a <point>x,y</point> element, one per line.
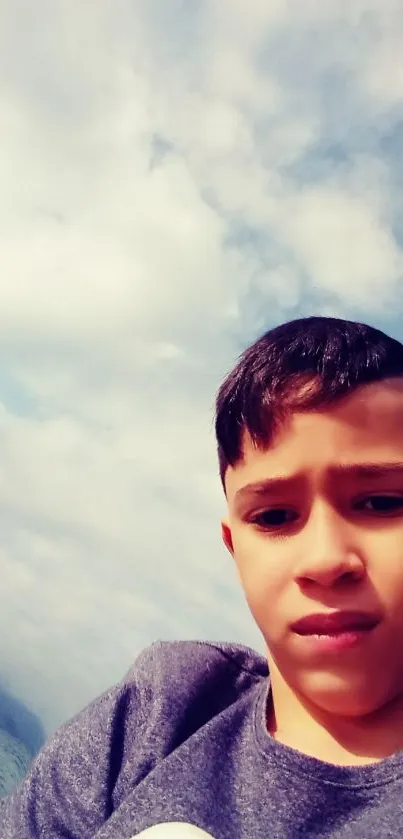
<point>276,517</point>
<point>382,504</point>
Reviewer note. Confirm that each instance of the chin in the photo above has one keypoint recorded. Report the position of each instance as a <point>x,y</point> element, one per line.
<point>347,705</point>
<point>343,700</point>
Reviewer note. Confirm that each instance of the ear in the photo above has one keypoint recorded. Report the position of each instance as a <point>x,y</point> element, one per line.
<point>226,536</point>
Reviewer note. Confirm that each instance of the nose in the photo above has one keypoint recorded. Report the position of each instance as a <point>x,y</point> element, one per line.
<point>331,555</point>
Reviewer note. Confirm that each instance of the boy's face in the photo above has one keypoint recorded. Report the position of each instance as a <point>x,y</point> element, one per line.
<point>326,540</point>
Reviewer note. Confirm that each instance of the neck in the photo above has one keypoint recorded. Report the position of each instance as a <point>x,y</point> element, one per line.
<point>340,740</point>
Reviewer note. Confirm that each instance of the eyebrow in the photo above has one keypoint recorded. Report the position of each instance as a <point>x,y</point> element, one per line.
<point>361,471</point>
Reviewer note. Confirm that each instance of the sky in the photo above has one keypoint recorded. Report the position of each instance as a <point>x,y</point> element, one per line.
<point>176,178</point>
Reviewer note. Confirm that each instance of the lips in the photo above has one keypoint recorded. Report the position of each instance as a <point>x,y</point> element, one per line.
<point>332,623</point>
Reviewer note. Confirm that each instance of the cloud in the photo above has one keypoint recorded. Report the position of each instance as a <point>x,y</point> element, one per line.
<point>175,179</point>
<point>343,247</point>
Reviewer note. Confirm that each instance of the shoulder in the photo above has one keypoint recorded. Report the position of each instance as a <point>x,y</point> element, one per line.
<point>181,687</point>
<point>95,759</point>
<point>177,662</point>
<point>201,678</point>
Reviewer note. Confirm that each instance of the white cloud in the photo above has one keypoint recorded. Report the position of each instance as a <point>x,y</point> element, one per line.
<point>343,246</point>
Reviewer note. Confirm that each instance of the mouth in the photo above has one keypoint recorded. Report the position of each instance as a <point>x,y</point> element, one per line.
<point>335,631</point>
<point>333,623</point>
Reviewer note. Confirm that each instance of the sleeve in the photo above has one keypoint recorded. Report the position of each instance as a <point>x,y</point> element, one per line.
<point>68,792</point>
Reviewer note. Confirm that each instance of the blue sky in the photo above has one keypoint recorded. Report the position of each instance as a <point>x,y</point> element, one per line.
<point>176,178</point>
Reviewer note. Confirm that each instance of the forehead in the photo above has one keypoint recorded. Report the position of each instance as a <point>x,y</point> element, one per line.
<point>366,427</point>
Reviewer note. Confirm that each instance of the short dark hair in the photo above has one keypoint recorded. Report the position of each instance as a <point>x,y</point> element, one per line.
<point>300,365</point>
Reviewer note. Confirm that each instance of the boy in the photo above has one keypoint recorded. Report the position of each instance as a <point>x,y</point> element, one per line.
<point>197,740</point>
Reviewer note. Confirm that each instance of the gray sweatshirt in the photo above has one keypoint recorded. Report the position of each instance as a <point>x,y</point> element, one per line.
<point>179,750</point>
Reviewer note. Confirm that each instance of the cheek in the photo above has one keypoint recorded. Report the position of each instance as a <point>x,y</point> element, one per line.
<point>264,573</point>
<point>387,581</point>
<point>384,559</point>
